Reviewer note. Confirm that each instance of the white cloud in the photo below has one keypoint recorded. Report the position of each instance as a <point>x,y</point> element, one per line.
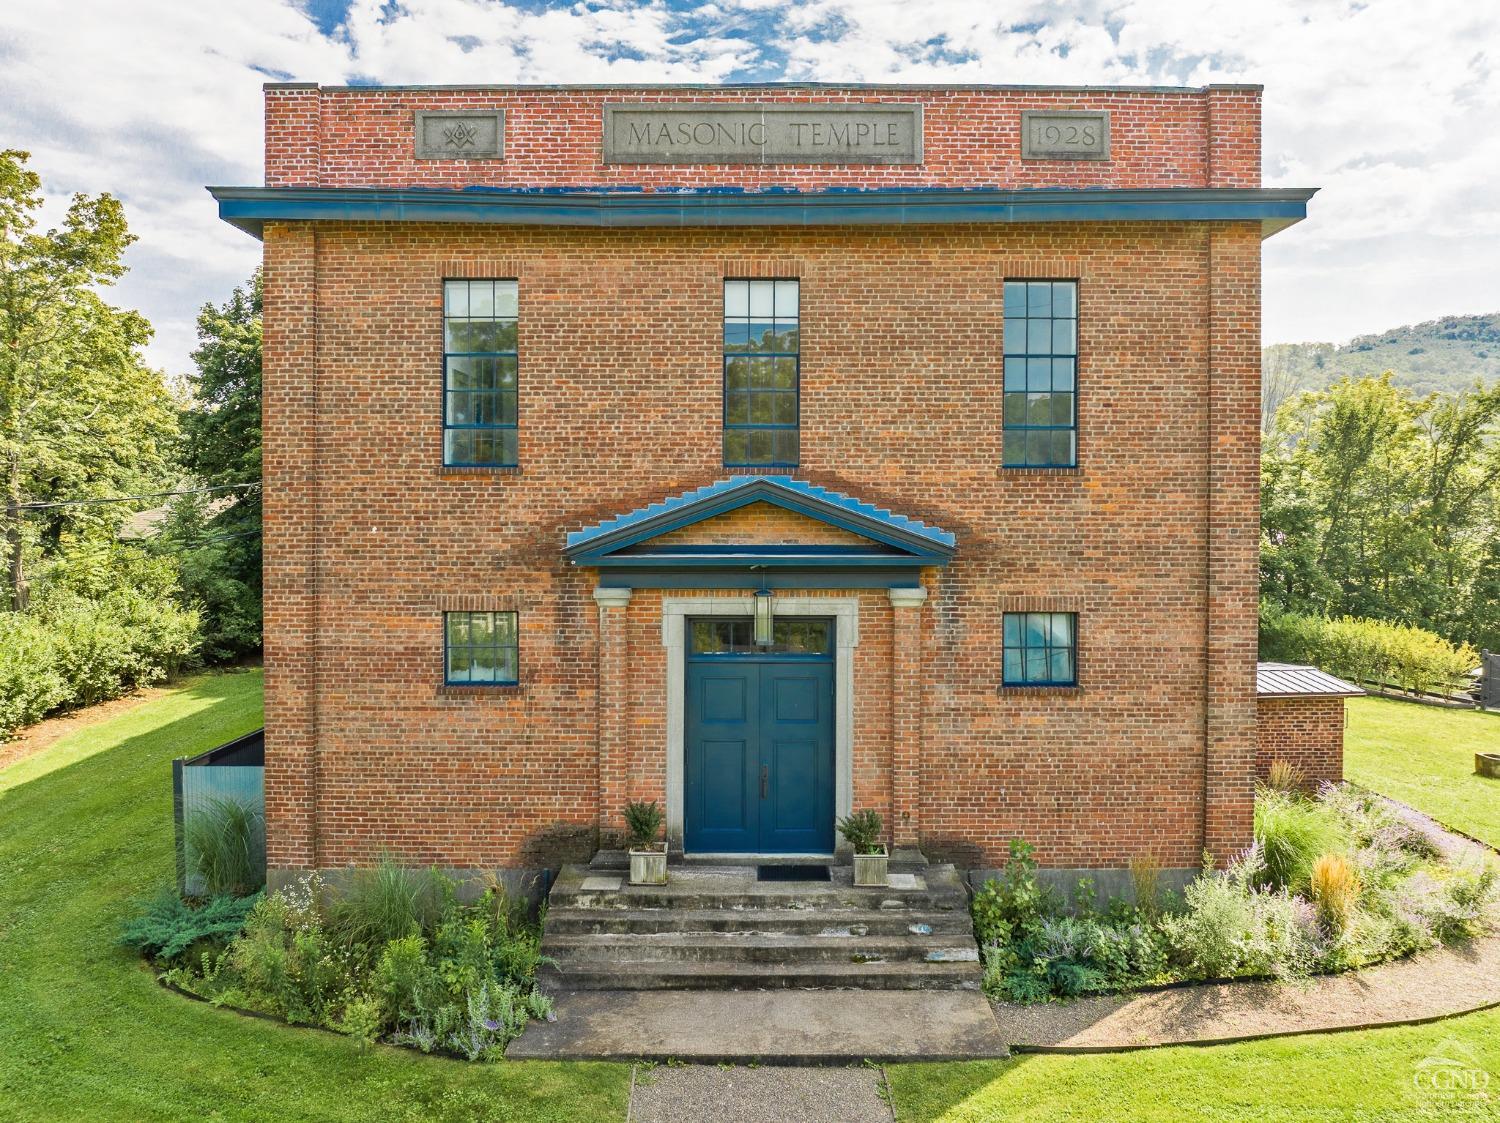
<point>1387,105</point>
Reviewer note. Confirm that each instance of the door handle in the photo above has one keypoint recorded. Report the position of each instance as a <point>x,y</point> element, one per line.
<point>765,776</point>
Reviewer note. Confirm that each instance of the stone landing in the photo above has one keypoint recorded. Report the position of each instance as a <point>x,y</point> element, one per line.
<point>775,1027</point>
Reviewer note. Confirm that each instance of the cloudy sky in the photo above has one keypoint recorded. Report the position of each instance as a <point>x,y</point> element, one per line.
<point>1390,106</point>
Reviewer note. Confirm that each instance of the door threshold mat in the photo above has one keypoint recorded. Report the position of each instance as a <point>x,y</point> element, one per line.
<point>792,873</point>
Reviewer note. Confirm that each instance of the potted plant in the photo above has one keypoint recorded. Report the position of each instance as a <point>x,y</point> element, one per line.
<point>862,831</point>
<point>648,852</point>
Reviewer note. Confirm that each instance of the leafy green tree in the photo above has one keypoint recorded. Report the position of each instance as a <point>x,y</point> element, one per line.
<point>221,560</point>
<point>81,415</point>
<point>1382,505</point>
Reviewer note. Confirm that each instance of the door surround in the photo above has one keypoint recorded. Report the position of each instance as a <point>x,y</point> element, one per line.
<point>674,614</point>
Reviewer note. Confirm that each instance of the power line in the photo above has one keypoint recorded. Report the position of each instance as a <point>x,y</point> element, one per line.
<point>127,498</point>
<point>155,541</point>
<point>188,544</point>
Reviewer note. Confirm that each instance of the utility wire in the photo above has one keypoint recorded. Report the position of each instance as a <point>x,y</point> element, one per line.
<point>126,498</point>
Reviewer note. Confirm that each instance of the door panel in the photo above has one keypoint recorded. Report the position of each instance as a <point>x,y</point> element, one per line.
<point>724,698</point>
<point>759,754</point>
<point>797,745</point>
<point>721,730</point>
<point>794,698</point>
<point>727,766</point>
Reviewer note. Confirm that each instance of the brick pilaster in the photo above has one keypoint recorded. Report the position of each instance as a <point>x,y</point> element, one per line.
<point>290,472</point>
<point>1233,117</point>
<point>614,694</point>
<point>906,714</point>
<point>293,130</point>
<point>1233,537</point>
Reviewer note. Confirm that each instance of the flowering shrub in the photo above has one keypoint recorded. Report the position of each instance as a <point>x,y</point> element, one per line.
<point>459,980</point>
<point>1353,885</point>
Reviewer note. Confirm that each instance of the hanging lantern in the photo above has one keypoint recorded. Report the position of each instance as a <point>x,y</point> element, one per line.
<point>764,619</point>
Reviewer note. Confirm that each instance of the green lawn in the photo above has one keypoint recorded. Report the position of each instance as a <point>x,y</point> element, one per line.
<point>86,1033</point>
<point>1360,1076</point>
<point>1424,757</point>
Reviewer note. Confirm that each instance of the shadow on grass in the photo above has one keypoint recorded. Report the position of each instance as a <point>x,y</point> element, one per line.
<point>940,1091</point>
<point>95,817</point>
<point>85,1031</point>
<point>206,709</point>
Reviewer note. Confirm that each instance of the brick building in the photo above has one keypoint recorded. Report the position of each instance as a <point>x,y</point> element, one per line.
<point>767,451</point>
<point>1300,711</point>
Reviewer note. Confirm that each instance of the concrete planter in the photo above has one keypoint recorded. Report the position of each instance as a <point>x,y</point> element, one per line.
<point>1487,764</point>
<point>648,867</point>
<point>871,869</point>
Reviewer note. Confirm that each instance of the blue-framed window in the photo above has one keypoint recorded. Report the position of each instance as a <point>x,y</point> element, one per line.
<point>1041,649</point>
<point>762,374</point>
<point>479,373</point>
<point>1041,374</point>
<point>481,649</point>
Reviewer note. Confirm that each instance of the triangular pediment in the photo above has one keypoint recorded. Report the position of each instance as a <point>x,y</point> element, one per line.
<point>759,524</point>
<point>761,520</point>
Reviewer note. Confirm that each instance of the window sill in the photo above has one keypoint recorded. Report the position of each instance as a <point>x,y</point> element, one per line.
<point>481,690</point>
<point>1039,471</point>
<point>1038,691</point>
<point>459,471</point>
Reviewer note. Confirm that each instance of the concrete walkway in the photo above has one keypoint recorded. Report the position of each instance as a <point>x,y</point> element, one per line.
<point>711,1094</point>
<point>787,1027</point>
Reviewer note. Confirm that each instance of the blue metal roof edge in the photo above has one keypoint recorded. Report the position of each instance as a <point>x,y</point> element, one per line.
<point>249,208</point>
<point>729,494</point>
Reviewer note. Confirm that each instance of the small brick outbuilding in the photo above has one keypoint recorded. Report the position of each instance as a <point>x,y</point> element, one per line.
<point>1301,712</point>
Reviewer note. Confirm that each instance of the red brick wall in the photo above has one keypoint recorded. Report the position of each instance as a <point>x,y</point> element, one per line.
<point>1151,539</point>
<point>343,137</point>
<point>1307,733</point>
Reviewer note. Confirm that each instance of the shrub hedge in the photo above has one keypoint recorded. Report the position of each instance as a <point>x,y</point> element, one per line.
<point>1366,650</point>
<point>70,650</point>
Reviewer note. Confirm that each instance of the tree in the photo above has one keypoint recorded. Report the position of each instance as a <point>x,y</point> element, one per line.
<point>80,414</point>
<point>1379,504</point>
<point>222,449</point>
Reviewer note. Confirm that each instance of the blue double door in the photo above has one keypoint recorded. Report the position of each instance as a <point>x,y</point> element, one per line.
<point>758,734</point>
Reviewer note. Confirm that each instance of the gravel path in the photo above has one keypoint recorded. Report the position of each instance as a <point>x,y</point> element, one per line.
<point>1443,981</point>
<point>716,1093</point>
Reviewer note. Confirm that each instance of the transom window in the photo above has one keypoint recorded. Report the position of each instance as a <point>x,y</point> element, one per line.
<point>479,373</point>
<point>761,374</point>
<point>1041,370</point>
<point>481,648</point>
<point>1041,649</point>
<point>733,635</point>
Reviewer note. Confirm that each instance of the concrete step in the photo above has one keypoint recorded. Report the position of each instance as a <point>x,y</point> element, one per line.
<point>754,947</point>
<point>717,927</point>
<point>667,897</point>
<point>939,888</point>
<point>569,921</point>
<point>666,975</point>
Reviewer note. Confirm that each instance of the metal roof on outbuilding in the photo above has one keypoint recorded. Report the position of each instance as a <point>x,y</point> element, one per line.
<point>1289,680</point>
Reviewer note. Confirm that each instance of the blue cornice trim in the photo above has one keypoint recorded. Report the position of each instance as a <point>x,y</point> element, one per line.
<point>752,557</point>
<point>810,577</point>
<point>249,208</point>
